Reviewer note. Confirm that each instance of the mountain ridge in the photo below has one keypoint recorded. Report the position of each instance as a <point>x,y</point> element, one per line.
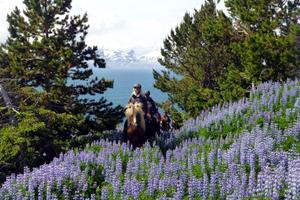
<point>129,57</point>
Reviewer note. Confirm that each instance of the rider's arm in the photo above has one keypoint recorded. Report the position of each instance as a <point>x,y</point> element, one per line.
<point>131,99</point>
<point>145,104</point>
<point>154,106</point>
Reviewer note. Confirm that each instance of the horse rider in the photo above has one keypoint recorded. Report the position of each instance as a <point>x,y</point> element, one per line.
<point>166,116</point>
<point>152,110</point>
<point>136,96</point>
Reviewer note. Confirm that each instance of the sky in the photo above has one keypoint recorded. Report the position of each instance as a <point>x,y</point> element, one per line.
<point>122,24</point>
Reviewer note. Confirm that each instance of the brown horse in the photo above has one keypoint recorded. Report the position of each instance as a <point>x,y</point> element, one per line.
<point>135,129</point>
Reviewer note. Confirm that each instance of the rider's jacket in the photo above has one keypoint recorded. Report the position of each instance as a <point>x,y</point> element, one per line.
<point>139,98</point>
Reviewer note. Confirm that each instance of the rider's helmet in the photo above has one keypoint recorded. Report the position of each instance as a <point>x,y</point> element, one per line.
<point>147,93</point>
<point>137,85</point>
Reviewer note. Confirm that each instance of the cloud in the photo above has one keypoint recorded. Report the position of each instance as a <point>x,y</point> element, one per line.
<point>5,8</point>
<point>120,24</point>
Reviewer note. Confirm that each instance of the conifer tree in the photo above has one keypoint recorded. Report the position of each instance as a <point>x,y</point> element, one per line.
<point>46,50</point>
<point>47,67</point>
<point>268,50</point>
<point>196,56</point>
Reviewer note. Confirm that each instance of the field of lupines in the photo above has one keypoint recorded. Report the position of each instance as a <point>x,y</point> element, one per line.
<point>242,150</point>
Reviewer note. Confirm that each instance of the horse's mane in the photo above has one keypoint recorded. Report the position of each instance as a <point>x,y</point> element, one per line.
<point>140,113</point>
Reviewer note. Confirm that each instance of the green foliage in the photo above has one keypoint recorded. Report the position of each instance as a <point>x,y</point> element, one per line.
<point>291,143</point>
<point>28,144</point>
<point>197,171</point>
<point>229,127</point>
<point>211,58</point>
<point>196,55</point>
<point>268,48</point>
<point>46,52</point>
<point>46,62</point>
<point>94,148</point>
<point>94,175</point>
<point>234,85</point>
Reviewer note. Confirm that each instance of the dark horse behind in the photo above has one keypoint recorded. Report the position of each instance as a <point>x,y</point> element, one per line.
<point>136,129</point>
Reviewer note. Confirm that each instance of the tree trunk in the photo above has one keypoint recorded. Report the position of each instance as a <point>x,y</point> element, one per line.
<point>8,104</point>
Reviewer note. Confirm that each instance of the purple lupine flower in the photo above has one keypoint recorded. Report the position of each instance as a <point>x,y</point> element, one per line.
<point>191,187</point>
<point>163,197</point>
<point>116,185</point>
<point>30,188</point>
<point>183,177</point>
<point>236,183</point>
<point>293,191</point>
<point>93,197</point>
<point>260,184</point>
<point>244,180</point>
<point>278,180</point>
<point>135,188</point>
<point>252,182</point>
<point>151,180</point>
<point>219,157</point>
<point>223,185</point>
<point>18,197</point>
<point>150,187</point>
<point>213,182</point>
<point>162,185</point>
<point>127,188</point>
<point>48,194</point>
<point>66,192</point>
<point>268,176</point>
<point>202,161</point>
<point>243,149</point>
<point>205,186</point>
<point>179,191</point>
<point>251,120</point>
<point>263,141</point>
<point>211,158</point>
<point>104,193</point>
<point>135,168</point>
<point>267,116</point>
<point>156,182</point>
<point>40,191</point>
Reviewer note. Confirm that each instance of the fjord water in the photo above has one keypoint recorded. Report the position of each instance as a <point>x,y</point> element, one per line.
<point>124,79</point>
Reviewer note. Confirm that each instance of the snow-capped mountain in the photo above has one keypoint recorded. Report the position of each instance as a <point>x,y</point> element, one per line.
<point>129,57</point>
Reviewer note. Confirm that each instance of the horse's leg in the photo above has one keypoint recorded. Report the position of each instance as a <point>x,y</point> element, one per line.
<point>157,128</point>
<point>151,131</point>
<point>134,146</point>
<point>146,134</point>
<point>143,137</point>
<point>125,131</point>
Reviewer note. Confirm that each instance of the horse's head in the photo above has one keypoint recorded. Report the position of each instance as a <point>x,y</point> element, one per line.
<point>135,115</point>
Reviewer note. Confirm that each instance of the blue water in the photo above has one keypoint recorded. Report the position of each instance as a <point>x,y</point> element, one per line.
<point>124,79</point>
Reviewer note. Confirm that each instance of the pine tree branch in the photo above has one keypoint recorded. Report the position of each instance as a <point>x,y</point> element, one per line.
<point>8,103</point>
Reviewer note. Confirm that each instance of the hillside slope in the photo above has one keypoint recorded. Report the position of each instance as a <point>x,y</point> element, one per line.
<point>243,149</point>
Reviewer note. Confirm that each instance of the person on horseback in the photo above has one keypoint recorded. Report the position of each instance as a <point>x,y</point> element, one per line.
<point>136,96</point>
<point>152,109</point>
<point>152,114</point>
<point>166,116</point>
<point>165,122</point>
